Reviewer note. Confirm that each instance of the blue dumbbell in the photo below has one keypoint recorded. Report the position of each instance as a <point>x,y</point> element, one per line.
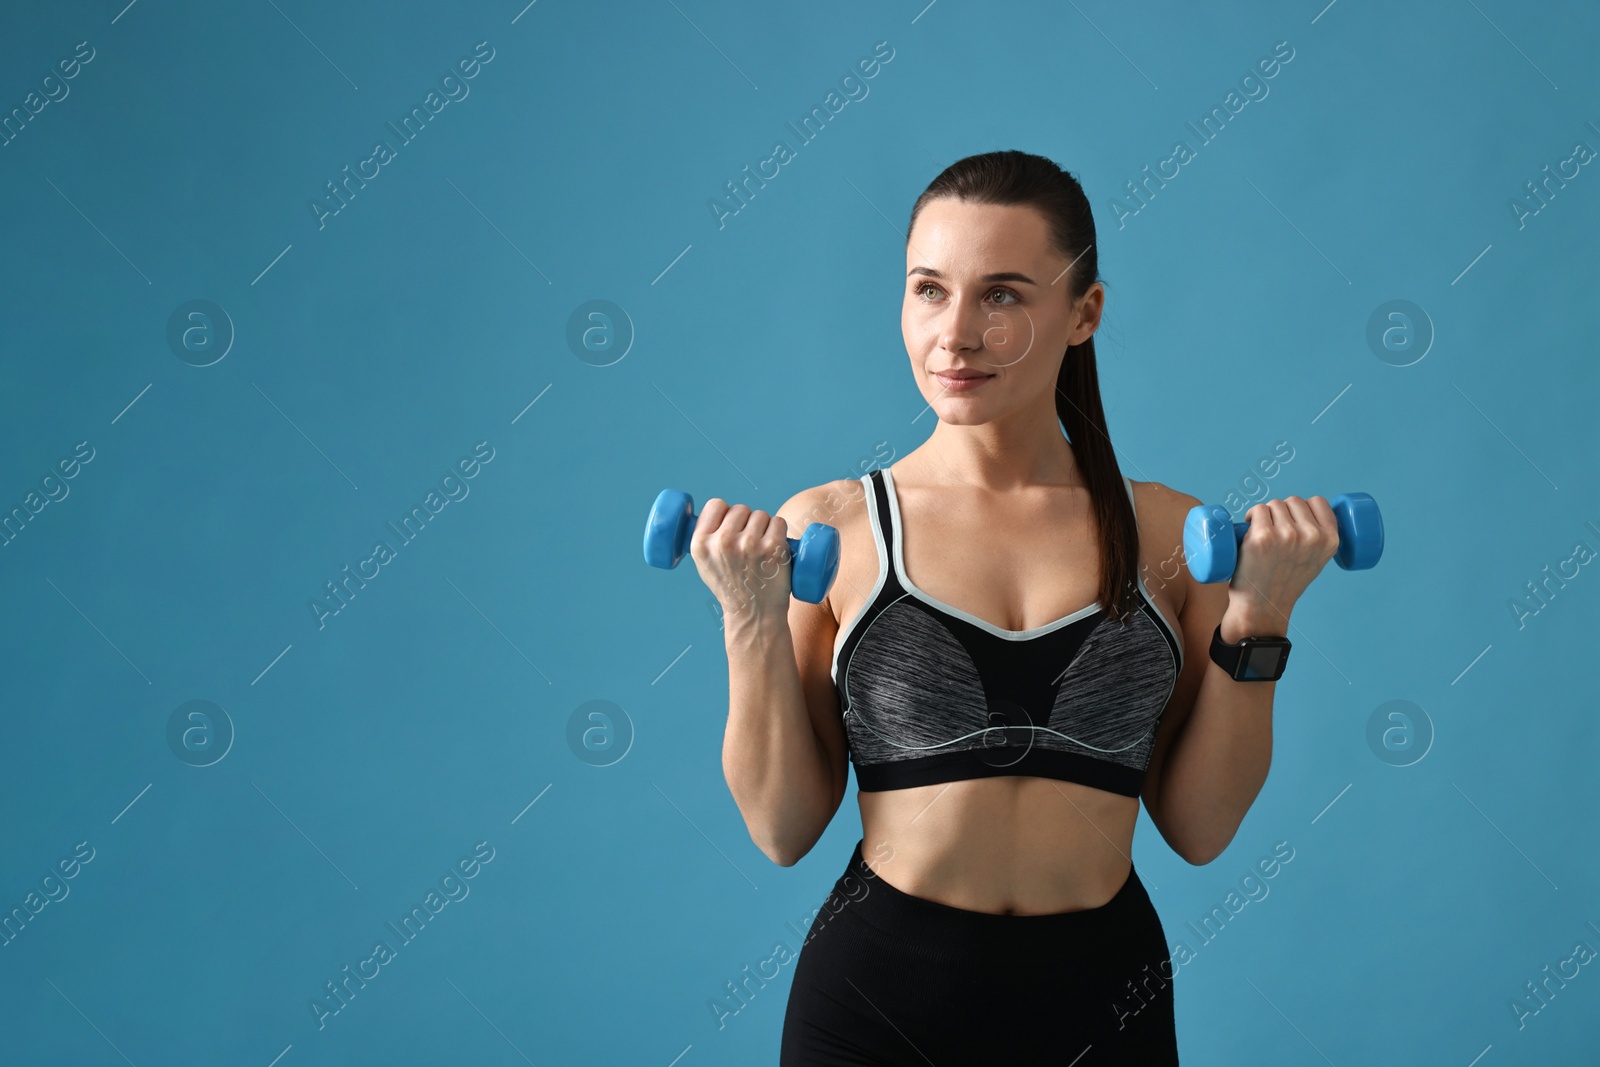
<point>1211,539</point>
<point>815,557</point>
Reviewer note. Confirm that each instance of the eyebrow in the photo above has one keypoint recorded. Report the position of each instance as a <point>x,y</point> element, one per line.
<point>1004,276</point>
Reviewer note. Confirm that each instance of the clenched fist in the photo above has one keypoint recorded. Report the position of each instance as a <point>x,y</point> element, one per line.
<point>743,557</point>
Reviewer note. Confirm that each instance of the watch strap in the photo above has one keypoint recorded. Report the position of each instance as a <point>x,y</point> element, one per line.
<point>1253,659</point>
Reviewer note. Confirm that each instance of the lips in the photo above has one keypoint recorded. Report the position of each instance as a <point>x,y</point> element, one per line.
<point>961,381</point>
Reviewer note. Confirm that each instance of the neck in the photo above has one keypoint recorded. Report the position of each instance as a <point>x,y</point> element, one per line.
<point>1024,448</point>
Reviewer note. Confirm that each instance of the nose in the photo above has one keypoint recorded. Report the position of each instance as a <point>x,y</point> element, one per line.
<point>962,325</point>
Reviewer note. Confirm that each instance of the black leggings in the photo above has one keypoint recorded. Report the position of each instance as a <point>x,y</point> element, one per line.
<point>886,978</point>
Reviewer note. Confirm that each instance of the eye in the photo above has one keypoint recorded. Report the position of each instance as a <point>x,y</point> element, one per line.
<point>922,289</point>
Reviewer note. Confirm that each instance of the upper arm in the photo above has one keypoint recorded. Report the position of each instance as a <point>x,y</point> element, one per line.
<point>1201,611</point>
<point>814,628</point>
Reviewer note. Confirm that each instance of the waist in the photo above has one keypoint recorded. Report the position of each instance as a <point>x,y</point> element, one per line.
<point>864,895</point>
<point>1016,846</point>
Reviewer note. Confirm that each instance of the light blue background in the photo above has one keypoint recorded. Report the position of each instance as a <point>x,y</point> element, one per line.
<point>370,355</point>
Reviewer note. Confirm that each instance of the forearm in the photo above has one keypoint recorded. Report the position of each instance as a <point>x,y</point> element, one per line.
<point>771,758</point>
<point>1220,759</point>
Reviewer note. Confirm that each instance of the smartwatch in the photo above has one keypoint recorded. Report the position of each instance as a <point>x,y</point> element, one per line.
<point>1253,659</point>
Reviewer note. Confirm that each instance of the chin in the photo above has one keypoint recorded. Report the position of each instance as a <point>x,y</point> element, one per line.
<point>961,414</point>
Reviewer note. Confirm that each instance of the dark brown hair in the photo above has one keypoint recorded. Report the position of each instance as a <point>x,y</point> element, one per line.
<point>1013,177</point>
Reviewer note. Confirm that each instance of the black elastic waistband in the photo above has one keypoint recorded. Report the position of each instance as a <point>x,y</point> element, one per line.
<point>871,899</point>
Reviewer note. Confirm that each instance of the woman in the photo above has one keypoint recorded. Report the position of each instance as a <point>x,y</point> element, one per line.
<point>1006,685</point>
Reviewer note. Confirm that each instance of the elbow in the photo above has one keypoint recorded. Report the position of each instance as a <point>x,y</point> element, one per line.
<point>781,844</point>
<point>1198,853</point>
<point>1194,848</point>
<point>788,847</point>
<point>785,835</point>
<point>785,854</point>
<point>783,859</point>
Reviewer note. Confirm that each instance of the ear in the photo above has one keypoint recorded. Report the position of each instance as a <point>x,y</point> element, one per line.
<point>1088,308</point>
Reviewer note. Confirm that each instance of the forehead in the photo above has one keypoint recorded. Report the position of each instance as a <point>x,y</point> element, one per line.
<point>954,236</point>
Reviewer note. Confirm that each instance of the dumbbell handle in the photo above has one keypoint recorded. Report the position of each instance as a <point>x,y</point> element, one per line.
<point>1360,537</point>
<point>814,558</point>
<point>1360,541</point>
<point>694,517</point>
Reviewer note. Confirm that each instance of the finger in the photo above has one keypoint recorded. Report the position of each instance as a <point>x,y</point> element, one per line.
<point>778,530</point>
<point>711,513</point>
<point>1276,523</point>
<point>1300,512</point>
<point>1327,524</point>
<point>1260,515</point>
<point>1308,530</point>
<point>1324,513</point>
<point>727,532</point>
<point>733,521</point>
<point>731,536</point>
<point>705,525</point>
<point>756,527</point>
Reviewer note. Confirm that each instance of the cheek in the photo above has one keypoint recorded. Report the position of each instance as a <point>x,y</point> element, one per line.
<point>921,335</point>
<point>912,324</point>
<point>1013,339</point>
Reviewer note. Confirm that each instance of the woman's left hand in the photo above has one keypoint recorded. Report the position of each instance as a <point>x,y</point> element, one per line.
<point>1287,545</point>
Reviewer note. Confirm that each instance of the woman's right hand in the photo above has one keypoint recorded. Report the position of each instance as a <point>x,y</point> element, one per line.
<point>743,557</point>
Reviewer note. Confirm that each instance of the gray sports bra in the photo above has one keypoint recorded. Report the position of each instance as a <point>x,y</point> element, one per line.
<point>930,693</point>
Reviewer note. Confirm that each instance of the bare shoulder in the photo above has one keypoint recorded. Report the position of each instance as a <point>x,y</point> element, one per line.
<point>842,504</point>
<point>838,503</point>
<point>1161,511</point>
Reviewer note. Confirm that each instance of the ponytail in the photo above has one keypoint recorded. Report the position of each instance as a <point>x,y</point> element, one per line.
<point>1082,416</point>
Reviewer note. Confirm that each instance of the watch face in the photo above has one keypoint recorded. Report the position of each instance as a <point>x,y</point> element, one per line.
<point>1261,662</point>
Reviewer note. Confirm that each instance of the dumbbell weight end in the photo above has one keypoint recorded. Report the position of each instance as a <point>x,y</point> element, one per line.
<point>814,557</point>
<point>1212,555</point>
